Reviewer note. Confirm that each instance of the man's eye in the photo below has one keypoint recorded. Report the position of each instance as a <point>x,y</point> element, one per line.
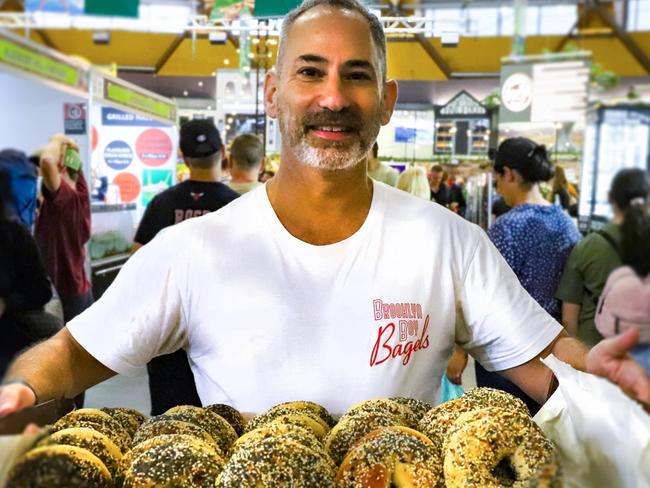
<point>309,72</point>
<point>359,76</point>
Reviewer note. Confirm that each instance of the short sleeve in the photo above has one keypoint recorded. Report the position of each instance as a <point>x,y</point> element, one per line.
<point>62,196</point>
<point>503,325</point>
<point>150,224</point>
<point>141,314</point>
<point>572,284</point>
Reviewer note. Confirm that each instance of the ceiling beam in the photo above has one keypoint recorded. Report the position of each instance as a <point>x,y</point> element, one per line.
<point>169,52</point>
<point>233,40</point>
<point>434,55</point>
<point>629,43</point>
<point>47,40</point>
<point>569,35</point>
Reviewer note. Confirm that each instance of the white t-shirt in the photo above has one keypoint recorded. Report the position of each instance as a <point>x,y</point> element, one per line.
<point>267,318</point>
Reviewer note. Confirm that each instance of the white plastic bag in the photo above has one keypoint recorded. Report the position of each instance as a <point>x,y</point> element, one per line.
<point>602,436</point>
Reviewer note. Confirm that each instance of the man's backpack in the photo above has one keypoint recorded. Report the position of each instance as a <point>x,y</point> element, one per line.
<point>21,176</point>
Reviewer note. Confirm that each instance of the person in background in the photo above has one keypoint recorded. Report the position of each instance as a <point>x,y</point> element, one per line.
<point>414,181</point>
<point>63,224</point>
<point>535,237</point>
<point>24,285</point>
<point>560,189</point>
<point>439,190</point>
<point>625,302</point>
<point>171,381</point>
<point>457,201</point>
<point>246,158</point>
<point>380,171</point>
<point>593,259</point>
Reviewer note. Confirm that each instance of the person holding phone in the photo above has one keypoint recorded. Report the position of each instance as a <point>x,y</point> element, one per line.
<point>63,224</point>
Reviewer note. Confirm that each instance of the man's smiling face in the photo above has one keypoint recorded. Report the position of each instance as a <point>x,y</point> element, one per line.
<point>328,94</point>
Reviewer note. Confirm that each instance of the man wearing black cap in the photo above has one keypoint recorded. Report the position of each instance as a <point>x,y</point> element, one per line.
<point>171,381</point>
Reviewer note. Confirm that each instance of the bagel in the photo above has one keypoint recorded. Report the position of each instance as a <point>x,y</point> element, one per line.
<point>495,447</point>
<point>128,418</point>
<point>170,462</point>
<point>391,456</point>
<point>274,462</point>
<point>89,439</point>
<point>303,408</point>
<point>418,407</point>
<point>99,421</point>
<point>221,431</point>
<point>163,425</point>
<point>232,415</point>
<point>350,430</point>
<point>383,405</point>
<point>59,467</point>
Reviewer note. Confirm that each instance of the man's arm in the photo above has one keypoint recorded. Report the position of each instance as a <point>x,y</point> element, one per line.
<point>570,314</point>
<point>56,368</point>
<point>51,175</point>
<point>609,359</point>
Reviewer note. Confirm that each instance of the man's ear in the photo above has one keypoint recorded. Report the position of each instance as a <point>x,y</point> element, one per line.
<point>271,94</point>
<point>389,100</point>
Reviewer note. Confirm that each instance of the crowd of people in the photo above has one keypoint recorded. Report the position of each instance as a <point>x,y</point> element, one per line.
<point>277,293</point>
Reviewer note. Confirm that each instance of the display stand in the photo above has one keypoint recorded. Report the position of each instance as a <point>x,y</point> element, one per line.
<point>462,126</point>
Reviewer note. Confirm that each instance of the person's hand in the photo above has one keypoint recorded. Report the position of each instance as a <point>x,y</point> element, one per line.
<point>14,397</point>
<point>456,366</point>
<point>610,359</point>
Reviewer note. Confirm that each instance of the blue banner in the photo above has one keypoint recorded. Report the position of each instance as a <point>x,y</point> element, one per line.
<point>405,134</point>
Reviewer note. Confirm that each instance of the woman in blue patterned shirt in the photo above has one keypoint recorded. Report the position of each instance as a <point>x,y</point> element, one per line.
<point>535,237</point>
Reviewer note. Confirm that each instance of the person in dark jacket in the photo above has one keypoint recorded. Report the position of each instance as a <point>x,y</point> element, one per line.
<point>24,285</point>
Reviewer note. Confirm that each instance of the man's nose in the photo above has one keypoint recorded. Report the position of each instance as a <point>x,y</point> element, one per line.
<point>333,96</point>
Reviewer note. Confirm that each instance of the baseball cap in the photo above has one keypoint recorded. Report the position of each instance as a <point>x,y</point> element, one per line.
<point>199,138</point>
<point>625,303</point>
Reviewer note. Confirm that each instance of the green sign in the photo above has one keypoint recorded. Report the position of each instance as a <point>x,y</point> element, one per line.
<point>72,159</point>
<point>118,8</point>
<point>274,8</point>
<point>139,101</point>
<point>28,60</point>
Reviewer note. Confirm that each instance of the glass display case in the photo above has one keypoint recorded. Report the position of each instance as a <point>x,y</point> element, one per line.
<point>615,138</point>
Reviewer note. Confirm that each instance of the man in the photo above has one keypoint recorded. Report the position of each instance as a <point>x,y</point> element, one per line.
<point>439,190</point>
<point>457,202</point>
<point>293,290</point>
<point>170,379</point>
<point>246,158</point>
<point>202,193</point>
<point>380,171</point>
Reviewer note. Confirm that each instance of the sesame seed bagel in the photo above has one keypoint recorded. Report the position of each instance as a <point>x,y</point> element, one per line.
<point>418,407</point>
<point>128,418</point>
<point>221,431</point>
<point>484,397</point>
<point>483,440</point>
<point>172,461</point>
<point>162,425</point>
<point>296,433</point>
<point>99,421</point>
<point>274,463</point>
<point>89,439</point>
<point>231,414</point>
<point>59,467</point>
<point>436,422</point>
<point>350,430</point>
<point>383,405</point>
<point>302,407</point>
<point>314,424</point>
<point>391,456</point>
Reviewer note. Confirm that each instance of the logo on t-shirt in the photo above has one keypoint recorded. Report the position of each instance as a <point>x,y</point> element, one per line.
<point>402,332</point>
<point>196,196</point>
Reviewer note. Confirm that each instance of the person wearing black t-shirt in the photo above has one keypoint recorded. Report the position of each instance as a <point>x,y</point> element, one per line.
<point>171,381</point>
<point>439,190</point>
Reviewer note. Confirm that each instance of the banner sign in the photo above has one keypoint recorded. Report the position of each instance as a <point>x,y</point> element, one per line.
<point>74,118</point>
<point>40,64</point>
<point>113,116</point>
<point>134,99</point>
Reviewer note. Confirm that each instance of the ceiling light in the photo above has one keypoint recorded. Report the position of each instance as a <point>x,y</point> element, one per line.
<point>185,93</point>
<point>102,37</point>
<point>200,83</point>
<point>226,61</point>
<point>209,107</point>
<point>217,37</point>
